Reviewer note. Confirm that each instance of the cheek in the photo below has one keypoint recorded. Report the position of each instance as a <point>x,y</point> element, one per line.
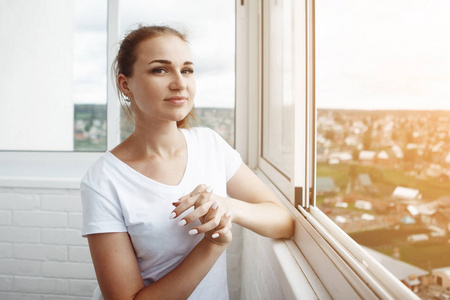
<point>192,88</point>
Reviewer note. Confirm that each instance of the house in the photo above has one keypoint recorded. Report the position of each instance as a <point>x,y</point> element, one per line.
<point>325,185</point>
<point>441,219</point>
<point>362,204</point>
<point>410,275</point>
<point>363,182</point>
<point>423,211</point>
<point>367,157</point>
<point>398,152</point>
<point>441,277</point>
<point>406,194</point>
<point>340,157</point>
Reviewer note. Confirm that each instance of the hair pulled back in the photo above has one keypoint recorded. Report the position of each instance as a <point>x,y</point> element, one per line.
<point>127,56</point>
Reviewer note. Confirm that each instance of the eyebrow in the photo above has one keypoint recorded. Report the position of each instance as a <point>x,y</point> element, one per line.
<point>168,62</point>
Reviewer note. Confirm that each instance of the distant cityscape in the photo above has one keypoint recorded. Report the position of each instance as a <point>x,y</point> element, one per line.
<point>382,176</point>
<point>90,125</point>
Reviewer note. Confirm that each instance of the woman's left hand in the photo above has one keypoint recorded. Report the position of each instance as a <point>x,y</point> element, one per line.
<point>201,198</point>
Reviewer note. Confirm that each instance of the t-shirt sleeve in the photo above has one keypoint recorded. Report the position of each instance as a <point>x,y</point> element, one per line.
<point>100,215</point>
<point>233,159</point>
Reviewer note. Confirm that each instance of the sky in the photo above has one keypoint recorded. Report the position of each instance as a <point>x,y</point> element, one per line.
<point>380,54</point>
<point>383,54</point>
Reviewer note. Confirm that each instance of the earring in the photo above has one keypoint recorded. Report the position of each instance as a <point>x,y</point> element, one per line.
<point>127,99</point>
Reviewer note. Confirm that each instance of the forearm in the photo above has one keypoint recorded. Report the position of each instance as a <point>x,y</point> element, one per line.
<point>267,218</point>
<point>182,281</point>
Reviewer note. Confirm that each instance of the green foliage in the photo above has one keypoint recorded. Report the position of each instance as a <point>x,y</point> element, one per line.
<point>426,254</point>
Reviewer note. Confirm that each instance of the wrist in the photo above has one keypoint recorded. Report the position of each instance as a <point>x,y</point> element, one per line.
<point>212,246</point>
<point>229,205</point>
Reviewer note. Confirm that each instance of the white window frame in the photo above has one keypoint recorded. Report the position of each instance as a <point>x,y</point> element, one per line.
<point>334,264</point>
<point>50,169</point>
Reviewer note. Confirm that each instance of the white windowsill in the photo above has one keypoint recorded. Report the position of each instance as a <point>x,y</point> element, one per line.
<point>44,169</point>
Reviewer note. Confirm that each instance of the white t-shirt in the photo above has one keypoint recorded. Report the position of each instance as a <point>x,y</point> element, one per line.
<point>116,198</point>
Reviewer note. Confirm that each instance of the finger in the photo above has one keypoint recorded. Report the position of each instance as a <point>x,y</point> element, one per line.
<point>181,207</point>
<point>225,220</point>
<point>208,226</point>
<point>200,188</point>
<point>195,201</point>
<point>211,214</point>
<point>221,232</point>
<point>199,212</point>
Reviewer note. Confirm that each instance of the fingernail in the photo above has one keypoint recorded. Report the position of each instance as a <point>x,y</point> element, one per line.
<point>172,215</point>
<point>228,214</point>
<point>209,189</point>
<point>215,235</point>
<point>215,204</point>
<point>193,232</point>
<point>182,222</point>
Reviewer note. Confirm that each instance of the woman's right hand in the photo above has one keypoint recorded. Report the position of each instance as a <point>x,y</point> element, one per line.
<point>217,227</point>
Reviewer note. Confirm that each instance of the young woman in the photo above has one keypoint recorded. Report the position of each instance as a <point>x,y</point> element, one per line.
<point>155,208</point>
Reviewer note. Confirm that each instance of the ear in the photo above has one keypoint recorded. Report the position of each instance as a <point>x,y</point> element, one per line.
<point>122,82</point>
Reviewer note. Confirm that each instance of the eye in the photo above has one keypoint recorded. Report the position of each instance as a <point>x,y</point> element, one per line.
<point>159,71</point>
<point>187,71</point>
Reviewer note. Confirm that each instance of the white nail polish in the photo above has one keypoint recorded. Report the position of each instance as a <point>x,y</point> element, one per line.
<point>215,205</point>
<point>215,235</point>
<point>209,189</point>
<point>228,214</point>
<point>193,232</point>
<point>172,215</point>
<point>182,222</point>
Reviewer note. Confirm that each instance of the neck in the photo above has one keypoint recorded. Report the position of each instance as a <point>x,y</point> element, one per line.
<point>162,139</point>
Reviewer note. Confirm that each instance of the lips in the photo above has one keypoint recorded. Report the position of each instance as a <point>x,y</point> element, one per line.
<point>177,100</point>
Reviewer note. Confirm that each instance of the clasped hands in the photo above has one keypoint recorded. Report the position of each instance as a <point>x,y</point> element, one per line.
<point>210,210</point>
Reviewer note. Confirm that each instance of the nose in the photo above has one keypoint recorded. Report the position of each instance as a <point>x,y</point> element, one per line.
<point>178,82</point>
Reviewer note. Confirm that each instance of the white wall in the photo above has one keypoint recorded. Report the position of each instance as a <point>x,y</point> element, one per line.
<point>42,253</point>
<point>36,61</point>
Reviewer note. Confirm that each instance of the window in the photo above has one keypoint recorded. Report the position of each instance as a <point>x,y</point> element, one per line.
<point>383,120</point>
<point>312,39</point>
<point>53,75</point>
<point>62,51</point>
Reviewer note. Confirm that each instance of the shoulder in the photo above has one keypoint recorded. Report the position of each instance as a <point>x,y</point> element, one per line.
<point>204,135</point>
<point>200,132</point>
<point>99,171</point>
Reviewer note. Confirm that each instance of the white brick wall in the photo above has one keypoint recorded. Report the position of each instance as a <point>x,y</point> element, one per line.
<point>258,278</point>
<point>42,253</point>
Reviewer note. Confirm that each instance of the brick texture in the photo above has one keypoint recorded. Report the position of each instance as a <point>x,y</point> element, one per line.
<point>42,253</point>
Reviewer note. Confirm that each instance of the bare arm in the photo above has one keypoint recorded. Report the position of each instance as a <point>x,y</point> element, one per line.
<point>256,207</point>
<point>253,205</point>
<point>119,276</point>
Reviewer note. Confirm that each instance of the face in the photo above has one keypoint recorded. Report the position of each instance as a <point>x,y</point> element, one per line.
<point>162,87</point>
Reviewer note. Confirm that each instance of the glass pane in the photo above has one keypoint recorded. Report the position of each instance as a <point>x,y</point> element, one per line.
<point>210,28</point>
<point>383,131</point>
<point>278,106</point>
<point>53,61</point>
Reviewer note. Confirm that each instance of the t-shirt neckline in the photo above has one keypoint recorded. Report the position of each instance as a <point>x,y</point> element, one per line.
<point>147,181</point>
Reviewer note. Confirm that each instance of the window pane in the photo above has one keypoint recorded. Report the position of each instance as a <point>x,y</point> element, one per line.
<point>210,28</point>
<point>53,58</point>
<point>383,130</point>
<point>278,106</point>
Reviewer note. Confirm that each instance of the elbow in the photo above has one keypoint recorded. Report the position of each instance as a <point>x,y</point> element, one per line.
<point>284,230</point>
<point>288,229</point>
